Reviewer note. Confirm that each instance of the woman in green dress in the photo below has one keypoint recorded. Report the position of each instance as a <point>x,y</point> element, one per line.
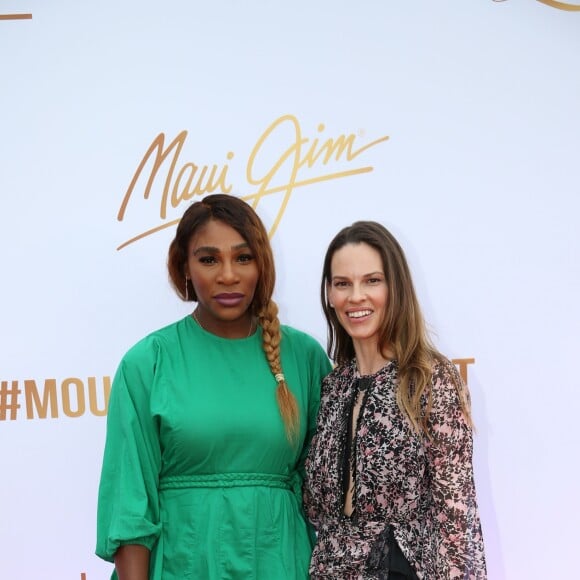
<point>210,419</point>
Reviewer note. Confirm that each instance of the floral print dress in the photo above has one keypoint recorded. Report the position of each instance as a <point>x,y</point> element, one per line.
<point>419,490</point>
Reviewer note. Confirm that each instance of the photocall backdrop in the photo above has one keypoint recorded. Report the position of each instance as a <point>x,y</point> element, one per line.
<point>456,124</point>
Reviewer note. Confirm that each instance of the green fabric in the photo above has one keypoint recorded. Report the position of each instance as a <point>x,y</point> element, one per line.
<point>197,466</point>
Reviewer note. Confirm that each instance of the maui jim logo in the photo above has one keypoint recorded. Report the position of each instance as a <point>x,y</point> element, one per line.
<point>558,5</point>
<point>561,5</point>
<point>183,180</point>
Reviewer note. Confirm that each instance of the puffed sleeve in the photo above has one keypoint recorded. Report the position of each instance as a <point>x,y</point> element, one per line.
<point>318,367</point>
<point>128,506</point>
<point>455,517</point>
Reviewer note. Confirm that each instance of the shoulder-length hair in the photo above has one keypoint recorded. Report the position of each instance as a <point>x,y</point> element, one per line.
<point>403,329</point>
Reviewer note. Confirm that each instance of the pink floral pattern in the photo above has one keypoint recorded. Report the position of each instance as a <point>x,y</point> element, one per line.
<point>422,488</point>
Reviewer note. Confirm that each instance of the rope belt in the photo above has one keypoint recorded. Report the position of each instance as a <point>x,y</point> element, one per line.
<point>226,480</point>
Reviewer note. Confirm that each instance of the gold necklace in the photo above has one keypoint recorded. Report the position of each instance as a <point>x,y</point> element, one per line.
<point>204,328</point>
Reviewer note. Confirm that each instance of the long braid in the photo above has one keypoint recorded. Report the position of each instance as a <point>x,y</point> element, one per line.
<point>268,319</point>
<point>237,214</point>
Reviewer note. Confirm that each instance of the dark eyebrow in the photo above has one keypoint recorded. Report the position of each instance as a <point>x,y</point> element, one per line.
<point>214,250</point>
<point>205,250</point>
<point>378,272</point>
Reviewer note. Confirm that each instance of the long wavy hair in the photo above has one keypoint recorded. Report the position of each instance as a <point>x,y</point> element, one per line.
<point>241,217</point>
<point>403,329</point>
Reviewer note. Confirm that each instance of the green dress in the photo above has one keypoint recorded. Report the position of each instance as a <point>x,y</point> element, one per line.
<point>197,466</point>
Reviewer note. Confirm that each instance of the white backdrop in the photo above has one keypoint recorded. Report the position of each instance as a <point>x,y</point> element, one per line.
<point>479,179</point>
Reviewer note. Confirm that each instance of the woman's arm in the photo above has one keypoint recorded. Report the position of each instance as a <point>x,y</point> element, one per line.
<point>132,562</point>
<point>128,504</point>
<point>319,367</point>
<point>454,514</point>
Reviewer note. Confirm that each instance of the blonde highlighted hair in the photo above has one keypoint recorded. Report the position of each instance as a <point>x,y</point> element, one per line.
<point>240,216</point>
<point>403,329</point>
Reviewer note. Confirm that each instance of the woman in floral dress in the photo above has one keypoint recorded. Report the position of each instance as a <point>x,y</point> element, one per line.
<point>389,477</point>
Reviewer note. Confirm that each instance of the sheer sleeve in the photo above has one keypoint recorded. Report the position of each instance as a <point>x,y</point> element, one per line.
<point>455,517</point>
<point>128,507</point>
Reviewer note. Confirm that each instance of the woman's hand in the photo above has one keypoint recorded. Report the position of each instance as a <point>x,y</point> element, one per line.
<point>132,562</point>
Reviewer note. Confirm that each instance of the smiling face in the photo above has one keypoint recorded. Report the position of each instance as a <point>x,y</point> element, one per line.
<point>224,275</point>
<point>358,291</point>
